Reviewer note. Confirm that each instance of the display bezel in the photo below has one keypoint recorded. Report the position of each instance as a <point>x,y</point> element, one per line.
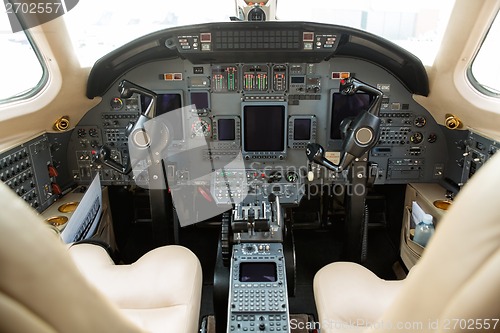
<point>216,130</point>
<point>181,136</point>
<point>264,153</point>
<point>301,143</point>
<point>334,141</point>
<point>250,270</point>
<point>192,101</point>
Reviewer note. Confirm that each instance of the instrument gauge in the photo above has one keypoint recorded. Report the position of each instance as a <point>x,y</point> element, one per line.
<point>116,103</point>
<point>292,177</point>
<point>420,121</point>
<point>201,128</point>
<point>93,132</point>
<point>274,177</point>
<point>432,138</point>
<point>82,132</point>
<point>417,138</point>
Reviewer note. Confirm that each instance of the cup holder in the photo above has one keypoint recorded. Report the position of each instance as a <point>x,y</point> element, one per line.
<point>442,204</point>
<point>57,221</point>
<point>54,229</point>
<point>69,207</point>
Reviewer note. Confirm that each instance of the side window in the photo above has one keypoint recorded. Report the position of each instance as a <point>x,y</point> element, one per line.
<point>23,73</point>
<point>484,72</point>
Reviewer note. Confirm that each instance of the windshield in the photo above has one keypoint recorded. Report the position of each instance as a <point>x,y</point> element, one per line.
<point>98,27</point>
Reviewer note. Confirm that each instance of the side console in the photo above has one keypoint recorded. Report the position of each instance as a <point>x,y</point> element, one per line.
<point>478,150</point>
<point>29,171</point>
<point>258,300</point>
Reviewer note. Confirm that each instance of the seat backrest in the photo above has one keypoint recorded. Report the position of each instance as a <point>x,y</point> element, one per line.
<point>41,290</point>
<point>457,280</point>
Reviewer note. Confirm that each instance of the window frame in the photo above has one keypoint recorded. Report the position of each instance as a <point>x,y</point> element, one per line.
<point>43,79</point>
<point>470,73</point>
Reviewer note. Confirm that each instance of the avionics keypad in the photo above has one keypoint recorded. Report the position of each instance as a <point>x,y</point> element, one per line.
<point>266,298</point>
<point>258,300</point>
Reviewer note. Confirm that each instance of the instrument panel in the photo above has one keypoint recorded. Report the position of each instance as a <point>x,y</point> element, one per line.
<point>262,115</point>
<point>251,96</point>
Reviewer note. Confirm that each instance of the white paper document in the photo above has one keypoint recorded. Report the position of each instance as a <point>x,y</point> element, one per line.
<point>85,219</point>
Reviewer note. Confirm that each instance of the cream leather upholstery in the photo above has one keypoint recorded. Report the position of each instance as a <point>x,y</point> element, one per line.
<point>42,290</point>
<point>160,292</point>
<point>458,276</point>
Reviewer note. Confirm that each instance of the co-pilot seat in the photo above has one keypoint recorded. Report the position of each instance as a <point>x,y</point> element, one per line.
<point>455,283</point>
<point>45,289</point>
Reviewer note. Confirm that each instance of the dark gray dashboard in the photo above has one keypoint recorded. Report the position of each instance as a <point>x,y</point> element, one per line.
<point>410,148</point>
<point>277,86</point>
<point>259,42</point>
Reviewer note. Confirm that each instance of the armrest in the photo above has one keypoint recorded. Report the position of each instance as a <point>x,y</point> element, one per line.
<point>98,242</point>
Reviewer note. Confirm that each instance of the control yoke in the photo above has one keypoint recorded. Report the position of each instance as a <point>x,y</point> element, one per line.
<point>359,134</point>
<point>140,138</point>
<point>127,89</point>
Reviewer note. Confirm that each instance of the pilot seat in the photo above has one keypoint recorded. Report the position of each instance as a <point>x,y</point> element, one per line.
<point>44,287</point>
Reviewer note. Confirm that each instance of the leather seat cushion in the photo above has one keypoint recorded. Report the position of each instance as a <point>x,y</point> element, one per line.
<point>161,289</point>
<point>348,296</point>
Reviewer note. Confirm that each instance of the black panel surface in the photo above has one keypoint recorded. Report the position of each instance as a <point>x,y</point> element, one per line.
<point>257,42</point>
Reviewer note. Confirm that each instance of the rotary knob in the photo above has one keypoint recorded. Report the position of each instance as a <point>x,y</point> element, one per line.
<point>249,249</point>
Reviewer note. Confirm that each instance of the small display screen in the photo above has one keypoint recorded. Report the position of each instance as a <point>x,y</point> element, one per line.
<point>264,128</point>
<point>206,37</point>
<point>167,103</point>
<point>200,99</point>
<point>298,79</point>
<point>346,106</point>
<point>302,129</point>
<point>258,272</point>
<point>226,129</point>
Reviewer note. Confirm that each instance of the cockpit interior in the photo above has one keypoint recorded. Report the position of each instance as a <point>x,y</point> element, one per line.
<point>251,173</point>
